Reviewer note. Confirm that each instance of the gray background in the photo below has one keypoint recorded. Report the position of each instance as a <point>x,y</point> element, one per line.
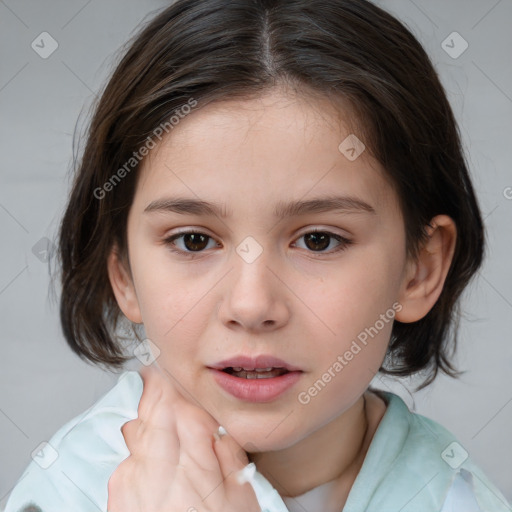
<point>43,385</point>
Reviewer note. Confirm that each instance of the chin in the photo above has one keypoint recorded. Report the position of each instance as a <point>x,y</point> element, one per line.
<point>257,439</point>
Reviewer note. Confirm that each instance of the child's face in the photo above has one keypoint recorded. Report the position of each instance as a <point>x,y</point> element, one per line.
<point>301,299</point>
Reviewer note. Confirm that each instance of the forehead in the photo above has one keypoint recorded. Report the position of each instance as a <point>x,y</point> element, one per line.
<point>274,145</point>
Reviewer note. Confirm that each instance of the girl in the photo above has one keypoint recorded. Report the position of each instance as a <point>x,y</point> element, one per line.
<point>274,192</point>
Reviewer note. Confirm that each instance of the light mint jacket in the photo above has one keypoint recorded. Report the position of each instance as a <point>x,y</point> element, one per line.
<point>412,465</point>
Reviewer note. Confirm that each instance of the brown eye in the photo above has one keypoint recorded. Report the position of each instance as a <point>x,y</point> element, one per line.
<point>195,241</point>
<point>191,241</point>
<point>318,241</point>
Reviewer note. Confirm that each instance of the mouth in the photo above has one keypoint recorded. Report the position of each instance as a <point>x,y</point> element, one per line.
<point>255,379</point>
<point>262,364</point>
<point>256,373</point>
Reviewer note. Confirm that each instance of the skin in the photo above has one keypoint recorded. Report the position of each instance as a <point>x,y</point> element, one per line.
<point>300,301</point>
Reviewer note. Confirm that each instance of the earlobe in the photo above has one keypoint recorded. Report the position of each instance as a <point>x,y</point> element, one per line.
<point>425,276</point>
<point>123,288</point>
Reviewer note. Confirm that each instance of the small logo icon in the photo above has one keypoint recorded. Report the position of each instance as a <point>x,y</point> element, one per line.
<point>146,352</point>
<point>351,147</point>
<point>44,455</point>
<point>454,455</point>
<point>249,249</point>
<point>42,249</point>
<point>44,45</point>
<point>454,45</point>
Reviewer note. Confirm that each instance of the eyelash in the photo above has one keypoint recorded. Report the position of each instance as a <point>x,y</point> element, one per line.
<point>344,242</point>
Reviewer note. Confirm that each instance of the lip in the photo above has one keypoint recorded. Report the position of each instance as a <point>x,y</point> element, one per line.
<point>255,390</point>
<point>250,363</point>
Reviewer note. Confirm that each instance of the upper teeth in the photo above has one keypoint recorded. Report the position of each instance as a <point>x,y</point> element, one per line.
<point>239,369</point>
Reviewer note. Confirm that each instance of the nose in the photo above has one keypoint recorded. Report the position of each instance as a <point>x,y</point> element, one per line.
<point>254,298</point>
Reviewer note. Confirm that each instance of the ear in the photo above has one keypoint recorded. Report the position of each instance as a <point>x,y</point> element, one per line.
<point>122,286</point>
<point>425,275</point>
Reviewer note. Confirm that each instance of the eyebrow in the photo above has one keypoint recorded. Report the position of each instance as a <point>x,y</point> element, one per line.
<point>190,206</point>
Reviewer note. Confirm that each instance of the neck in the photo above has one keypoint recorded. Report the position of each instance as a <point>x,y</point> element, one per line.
<point>336,451</point>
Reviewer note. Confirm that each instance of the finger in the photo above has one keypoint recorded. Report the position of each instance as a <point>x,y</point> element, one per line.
<point>232,459</point>
<point>157,390</point>
<point>146,441</point>
<point>195,429</point>
<point>231,456</point>
<point>153,434</point>
<point>167,388</point>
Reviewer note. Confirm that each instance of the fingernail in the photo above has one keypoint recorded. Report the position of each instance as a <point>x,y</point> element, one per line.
<point>221,431</point>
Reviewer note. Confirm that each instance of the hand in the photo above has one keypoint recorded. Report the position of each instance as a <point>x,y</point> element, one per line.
<point>175,463</point>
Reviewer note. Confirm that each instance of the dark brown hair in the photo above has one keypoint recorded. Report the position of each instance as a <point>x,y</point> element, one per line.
<point>212,50</point>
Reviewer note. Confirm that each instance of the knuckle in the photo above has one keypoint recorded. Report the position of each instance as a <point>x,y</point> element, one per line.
<point>196,423</point>
<point>130,429</point>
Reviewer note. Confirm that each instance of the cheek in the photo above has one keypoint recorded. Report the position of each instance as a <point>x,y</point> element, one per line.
<point>352,312</point>
<point>173,302</point>
<point>351,295</point>
<point>343,372</point>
